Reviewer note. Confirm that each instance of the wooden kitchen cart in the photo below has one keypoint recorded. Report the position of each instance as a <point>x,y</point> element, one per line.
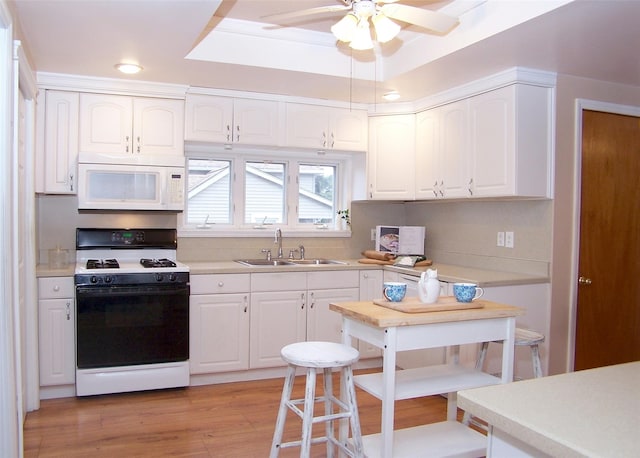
<point>394,331</point>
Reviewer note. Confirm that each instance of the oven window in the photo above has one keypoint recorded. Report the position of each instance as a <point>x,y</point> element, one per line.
<point>125,327</point>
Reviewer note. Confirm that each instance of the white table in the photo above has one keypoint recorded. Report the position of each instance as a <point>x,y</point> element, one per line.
<point>394,331</point>
<point>593,413</point>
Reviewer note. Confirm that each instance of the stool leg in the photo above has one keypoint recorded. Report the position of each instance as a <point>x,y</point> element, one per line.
<point>535,358</point>
<point>282,411</point>
<point>328,409</point>
<point>466,418</point>
<point>356,433</point>
<point>307,417</point>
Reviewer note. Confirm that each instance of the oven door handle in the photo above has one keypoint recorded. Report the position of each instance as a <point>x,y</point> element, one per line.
<point>138,290</point>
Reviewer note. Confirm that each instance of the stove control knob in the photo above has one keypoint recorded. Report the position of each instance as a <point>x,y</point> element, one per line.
<point>93,279</point>
<point>172,277</point>
<point>159,277</point>
<point>107,279</point>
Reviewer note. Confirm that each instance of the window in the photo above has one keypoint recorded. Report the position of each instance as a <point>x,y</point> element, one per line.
<point>232,191</point>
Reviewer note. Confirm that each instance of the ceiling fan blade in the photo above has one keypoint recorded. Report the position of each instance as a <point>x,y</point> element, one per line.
<point>432,20</point>
<point>307,12</point>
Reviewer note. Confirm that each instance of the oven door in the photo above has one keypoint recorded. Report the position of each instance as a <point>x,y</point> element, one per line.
<point>131,325</point>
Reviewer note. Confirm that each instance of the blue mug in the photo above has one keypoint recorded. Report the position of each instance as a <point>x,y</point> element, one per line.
<point>394,291</point>
<point>466,292</point>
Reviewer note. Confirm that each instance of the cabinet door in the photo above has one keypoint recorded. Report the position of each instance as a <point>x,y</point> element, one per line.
<point>307,126</point>
<point>324,324</point>
<point>391,158</point>
<point>277,319</point>
<point>454,159</point>
<point>61,142</point>
<point>256,122</point>
<point>208,118</point>
<point>492,142</point>
<point>348,129</point>
<point>106,124</point>
<point>427,155</point>
<point>370,289</point>
<point>219,333</point>
<point>56,325</point>
<point>158,126</point>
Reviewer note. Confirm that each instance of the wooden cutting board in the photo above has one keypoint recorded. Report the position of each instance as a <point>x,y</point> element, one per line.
<point>413,305</point>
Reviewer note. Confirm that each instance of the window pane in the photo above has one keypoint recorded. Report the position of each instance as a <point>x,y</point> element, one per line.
<point>264,193</point>
<point>316,198</point>
<point>209,192</point>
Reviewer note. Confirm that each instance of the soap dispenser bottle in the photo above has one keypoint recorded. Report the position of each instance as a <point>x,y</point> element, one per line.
<point>429,287</point>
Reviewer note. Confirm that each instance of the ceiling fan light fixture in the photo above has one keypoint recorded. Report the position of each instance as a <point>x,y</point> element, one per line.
<point>386,29</point>
<point>345,28</point>
<point>362,36</point>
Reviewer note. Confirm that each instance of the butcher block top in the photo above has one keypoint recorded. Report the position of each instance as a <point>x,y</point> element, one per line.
<point>383,317</point>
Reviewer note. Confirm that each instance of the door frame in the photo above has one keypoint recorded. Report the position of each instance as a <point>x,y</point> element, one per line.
<point>580,106</point>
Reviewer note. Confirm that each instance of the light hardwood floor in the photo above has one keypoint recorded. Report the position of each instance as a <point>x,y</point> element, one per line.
<point>226,420</point>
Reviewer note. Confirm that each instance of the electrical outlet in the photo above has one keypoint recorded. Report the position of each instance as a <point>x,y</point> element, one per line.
<point>500,240</point>
<point>373,235</point>
<point>508,239</point>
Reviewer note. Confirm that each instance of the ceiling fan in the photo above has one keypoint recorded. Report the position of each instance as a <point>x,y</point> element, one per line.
<point>354,27</point>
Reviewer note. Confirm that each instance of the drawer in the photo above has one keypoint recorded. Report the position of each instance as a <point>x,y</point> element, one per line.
<point>333,280</point>
<point>279,281</point>
<point>220,283</point>
<point>55,287</point>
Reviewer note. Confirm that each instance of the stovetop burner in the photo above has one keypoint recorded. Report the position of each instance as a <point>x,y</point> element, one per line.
<point>150,263</point>
<point>102,264</point>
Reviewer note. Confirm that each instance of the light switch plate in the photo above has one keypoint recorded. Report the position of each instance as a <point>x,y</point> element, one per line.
<point>500,239</point>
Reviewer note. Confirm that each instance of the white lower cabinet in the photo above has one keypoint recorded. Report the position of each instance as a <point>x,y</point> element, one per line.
<point>56,331</point>
<point>219,323</point>
<point>370,289</point>
<point>294,307</point>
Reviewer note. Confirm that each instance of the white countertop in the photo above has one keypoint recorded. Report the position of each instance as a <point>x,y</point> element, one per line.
<point>593,413</point>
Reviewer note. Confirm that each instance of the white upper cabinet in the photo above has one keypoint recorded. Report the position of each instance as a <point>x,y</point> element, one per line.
<point>131,125</point>
<point>314,126</point>
<point>442,152</point>
<point>391,157</point>
<point>228,120</point>
<point>60,157</point>
<point>510,142</point>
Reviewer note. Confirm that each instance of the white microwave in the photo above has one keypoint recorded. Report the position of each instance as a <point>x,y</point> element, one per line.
<point>130,187</point>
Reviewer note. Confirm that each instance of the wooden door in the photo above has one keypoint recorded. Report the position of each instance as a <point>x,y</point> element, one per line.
<point>608,310</point>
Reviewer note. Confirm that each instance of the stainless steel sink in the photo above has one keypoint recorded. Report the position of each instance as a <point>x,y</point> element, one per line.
<point>316,261</point>
<point>264,262</point>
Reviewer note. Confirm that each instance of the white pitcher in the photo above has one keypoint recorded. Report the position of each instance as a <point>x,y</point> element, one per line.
<point>429,286</point>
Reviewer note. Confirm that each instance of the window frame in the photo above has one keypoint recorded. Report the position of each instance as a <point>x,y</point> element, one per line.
<point>343,163</point>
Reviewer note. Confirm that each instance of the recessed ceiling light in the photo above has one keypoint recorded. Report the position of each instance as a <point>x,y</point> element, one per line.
<point>129,69</point>
<point>391,96</point>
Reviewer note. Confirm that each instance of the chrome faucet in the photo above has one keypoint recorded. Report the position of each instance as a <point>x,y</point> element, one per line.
<point>301,251</point>
<point>278,240</point>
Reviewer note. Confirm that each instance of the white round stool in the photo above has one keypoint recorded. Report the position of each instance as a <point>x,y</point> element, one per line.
<point>523,338</point>
<point>314,356</point>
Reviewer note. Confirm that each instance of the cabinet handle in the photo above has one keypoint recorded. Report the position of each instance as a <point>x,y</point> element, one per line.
<point>324,139</point>
<point>56,288</point>
<point>584,281</point>
<point>238,133</point>
<point>470,186</point>
<point>228,132</point>
<point>302,300</point>
<point>333,141</point>
<point>71,182</point>
<point>313,301</point>
<point>127,141</point>
<point>138,149</point>
<point>245,305</point>
<point>68,310</point>
<point>220,284</point>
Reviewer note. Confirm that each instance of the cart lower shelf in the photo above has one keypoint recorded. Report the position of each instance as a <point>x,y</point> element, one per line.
<point>444,439</point>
